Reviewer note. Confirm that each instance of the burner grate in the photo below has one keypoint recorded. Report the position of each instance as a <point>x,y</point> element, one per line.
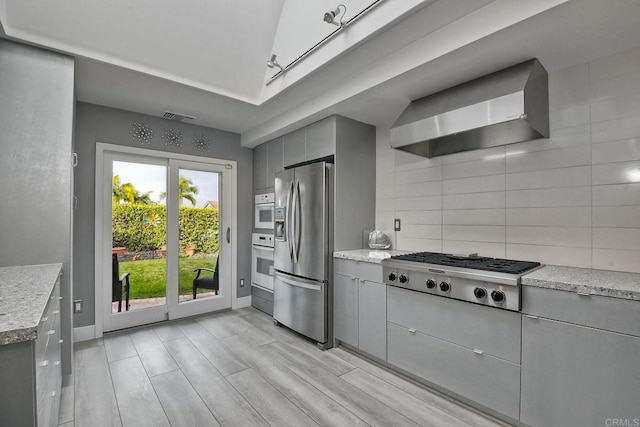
<point>478,263</point>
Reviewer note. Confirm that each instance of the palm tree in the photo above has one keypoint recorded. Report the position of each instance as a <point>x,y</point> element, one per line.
<point>186,189</point>
<point>127,193</point>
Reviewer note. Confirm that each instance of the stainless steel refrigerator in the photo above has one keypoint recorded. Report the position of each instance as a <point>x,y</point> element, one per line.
<point>303,246</point>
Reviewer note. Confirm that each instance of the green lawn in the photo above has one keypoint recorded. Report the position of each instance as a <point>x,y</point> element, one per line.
<point>148,277</point>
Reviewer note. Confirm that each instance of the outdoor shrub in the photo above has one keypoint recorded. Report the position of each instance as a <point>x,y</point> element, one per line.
<point>141,227</point>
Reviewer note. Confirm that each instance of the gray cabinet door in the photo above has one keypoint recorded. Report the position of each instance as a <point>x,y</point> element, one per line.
<point>487,380</point>
<point>345,314</point>
<point>260,159</point>
<point>578,376</point>
<point>275,162</point>
<point>372,318</point>
<point>294,147</point>
<point>321,139</point>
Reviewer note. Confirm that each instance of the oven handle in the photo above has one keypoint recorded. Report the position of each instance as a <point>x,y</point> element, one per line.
<point>265,248</point>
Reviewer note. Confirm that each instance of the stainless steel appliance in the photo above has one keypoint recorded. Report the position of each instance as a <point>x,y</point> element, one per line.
<point>488,281</point>
<point>303,246</point>
<point>262,261</point>
<point>264,211</point>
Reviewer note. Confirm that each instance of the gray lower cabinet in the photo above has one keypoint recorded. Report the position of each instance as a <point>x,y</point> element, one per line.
<point>472,351</point>
<point>580,359</point>
<point>262,299</point>
<point>31,374</point>
<point>360,305</point>
<point>578,376</point>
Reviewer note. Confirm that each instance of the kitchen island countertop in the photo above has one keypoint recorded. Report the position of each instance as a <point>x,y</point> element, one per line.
<point>616,284</point>
<point>368,255</point>
<point>24,293</point>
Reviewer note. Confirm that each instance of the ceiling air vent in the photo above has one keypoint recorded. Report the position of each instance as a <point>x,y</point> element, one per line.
<point>176,117</point>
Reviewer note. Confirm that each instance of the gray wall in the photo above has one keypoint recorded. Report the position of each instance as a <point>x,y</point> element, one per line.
<point>101,124</point>
<point>36,131</point>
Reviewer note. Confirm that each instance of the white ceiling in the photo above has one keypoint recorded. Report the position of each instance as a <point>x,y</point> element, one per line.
<point>207,58</point>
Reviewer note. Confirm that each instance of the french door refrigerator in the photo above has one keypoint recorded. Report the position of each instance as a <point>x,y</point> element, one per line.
<point>303,246</point>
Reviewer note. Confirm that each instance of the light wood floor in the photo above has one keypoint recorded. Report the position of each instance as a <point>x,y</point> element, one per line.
<point>238,369</point>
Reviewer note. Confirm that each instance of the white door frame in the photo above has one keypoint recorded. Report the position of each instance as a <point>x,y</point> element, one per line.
<point>103,269</point>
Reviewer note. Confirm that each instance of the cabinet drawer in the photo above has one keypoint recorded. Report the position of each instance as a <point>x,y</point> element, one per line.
<point>484,379</point>
<point>610,314</point>
<point>494,331</point>
<point>362,270</point>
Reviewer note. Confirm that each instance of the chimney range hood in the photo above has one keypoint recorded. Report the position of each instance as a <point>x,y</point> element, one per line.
<point>505,107</point>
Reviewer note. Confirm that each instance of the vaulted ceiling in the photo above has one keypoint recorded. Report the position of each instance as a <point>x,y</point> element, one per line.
<point>207,58</point>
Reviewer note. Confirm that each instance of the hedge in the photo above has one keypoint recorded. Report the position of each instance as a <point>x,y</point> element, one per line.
<point>141,227</point>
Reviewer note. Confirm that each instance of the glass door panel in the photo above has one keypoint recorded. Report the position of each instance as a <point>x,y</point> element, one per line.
<point>139,235</point>
<point>199,234</point>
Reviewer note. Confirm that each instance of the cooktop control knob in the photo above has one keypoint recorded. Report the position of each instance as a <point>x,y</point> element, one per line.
<point>480,293</point>
<point>404,278</point>
<point>444,286</point>
<point>497,296</point>
<point>392,276</point>
<point>431,284</point>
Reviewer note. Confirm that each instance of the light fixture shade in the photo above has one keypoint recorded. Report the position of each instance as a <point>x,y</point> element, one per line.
<point>330,17</point>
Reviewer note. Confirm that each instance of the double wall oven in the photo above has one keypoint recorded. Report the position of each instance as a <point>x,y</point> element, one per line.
<point>262,254</point>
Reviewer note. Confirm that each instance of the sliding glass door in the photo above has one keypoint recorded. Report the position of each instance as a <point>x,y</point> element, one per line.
<point>165,225</point>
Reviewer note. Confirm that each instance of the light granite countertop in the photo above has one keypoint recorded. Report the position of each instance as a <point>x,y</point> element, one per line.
<point>24,293</point>
<point>616,284</point>
<point>368,255</point>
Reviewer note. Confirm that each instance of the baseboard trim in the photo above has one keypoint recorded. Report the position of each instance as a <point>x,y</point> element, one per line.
<point>84,333</point>
<point>242,302</point>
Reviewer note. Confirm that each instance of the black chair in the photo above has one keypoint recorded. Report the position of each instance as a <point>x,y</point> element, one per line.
<point>119,284</point>
<point>206,282</point>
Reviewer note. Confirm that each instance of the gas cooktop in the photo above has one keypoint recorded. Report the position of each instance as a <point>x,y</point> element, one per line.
<point>488,281</point>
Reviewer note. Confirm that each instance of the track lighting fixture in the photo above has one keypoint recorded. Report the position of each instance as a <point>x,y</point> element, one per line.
<point>330,17</point>
<point>272,63</point>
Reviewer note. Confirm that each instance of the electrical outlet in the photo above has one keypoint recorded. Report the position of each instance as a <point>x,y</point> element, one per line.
<point>396,224</point>
<point>77,306</point>
<point>242,283</point>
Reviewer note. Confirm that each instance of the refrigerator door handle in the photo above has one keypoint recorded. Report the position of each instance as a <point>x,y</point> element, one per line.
<point>298,283</point>
<point>298,221</point>
<point>289,235</point>
<point>294,219</point>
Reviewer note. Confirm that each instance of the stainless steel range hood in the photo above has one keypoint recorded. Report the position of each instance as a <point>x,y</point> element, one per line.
<point>508,106</point>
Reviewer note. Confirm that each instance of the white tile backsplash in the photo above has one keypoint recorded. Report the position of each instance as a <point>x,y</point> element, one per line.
<point>490,200</point>
<point>550,236</point>
<point>616,216</point>
<point>551,178</point>
<point>616,195</point>
<point>473,185</point>
<point>616,259</point>
<point>550,217</point>
<point>550,159</point>
<point>474,217</point>
<point>616,151</point>
<point>549,197</point>
<point>571,199</point>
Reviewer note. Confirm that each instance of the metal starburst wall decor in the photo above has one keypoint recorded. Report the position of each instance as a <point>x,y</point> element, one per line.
<point>142,133</point>
<point>201,143</point>
<point>173,138</point>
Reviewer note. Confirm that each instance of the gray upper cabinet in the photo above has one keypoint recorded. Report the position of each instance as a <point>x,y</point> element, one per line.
<point>294,147</point>
<point>268,158</point>
<point>321,139</point>
<point>275,162</point>
<point>260,159</point>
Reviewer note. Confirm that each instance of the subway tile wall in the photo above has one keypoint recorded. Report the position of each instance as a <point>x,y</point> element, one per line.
<point>572,199</point>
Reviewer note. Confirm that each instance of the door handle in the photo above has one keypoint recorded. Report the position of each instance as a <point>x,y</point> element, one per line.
<point>289,219</point>
<point>294,215</point>
<point>228,234</point>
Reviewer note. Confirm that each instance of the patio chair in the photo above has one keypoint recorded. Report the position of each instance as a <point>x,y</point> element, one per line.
<point>206,282</point>
<point>119,284</point>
